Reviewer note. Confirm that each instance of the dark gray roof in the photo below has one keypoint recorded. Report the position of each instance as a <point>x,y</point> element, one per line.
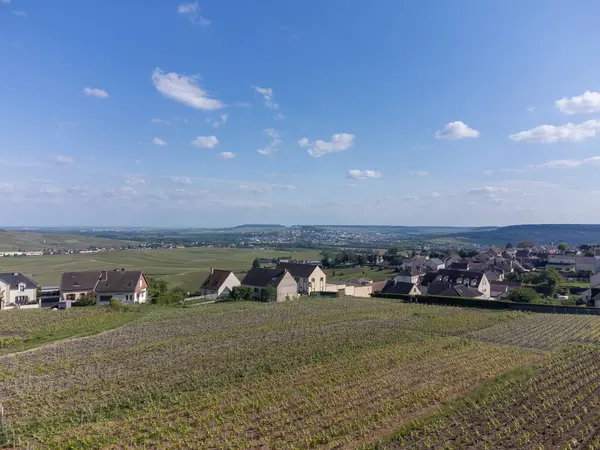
<point>436,261</point>
<point>453,275</point>
<point>449,290</point>
<point>298,270</point>
<point>398,287</point>
<point>13,279</point>
<point>461,265</point>
<point>214,280</point>
<point>119,281</point>
<point>263,277</point>
<point>79,281</point>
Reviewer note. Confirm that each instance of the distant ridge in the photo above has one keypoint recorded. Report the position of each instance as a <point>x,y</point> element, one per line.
<point>539,233</point>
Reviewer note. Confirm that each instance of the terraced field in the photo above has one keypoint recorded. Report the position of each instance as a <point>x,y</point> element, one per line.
<point>315,373</point>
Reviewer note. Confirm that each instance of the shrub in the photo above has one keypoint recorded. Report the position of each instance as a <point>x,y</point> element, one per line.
<point>269,294</point>
<point>242,293</point>
<point>88,299</point>
<point>115,304</point>
<point>523,295</point>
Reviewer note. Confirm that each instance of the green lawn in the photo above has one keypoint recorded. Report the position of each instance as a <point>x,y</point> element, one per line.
<point>185,268</point>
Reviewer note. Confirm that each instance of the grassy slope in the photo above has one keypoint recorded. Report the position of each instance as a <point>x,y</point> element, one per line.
<point>351,274</point>
<point>28,241</point>
<point>186,268</point>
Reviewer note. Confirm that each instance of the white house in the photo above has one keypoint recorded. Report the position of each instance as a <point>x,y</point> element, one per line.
<point>310,277</point>
<point>127,286</point>
<point>17,291</point>
<point>280,279</point>
<point>407,276</point>
<point>219,284</point>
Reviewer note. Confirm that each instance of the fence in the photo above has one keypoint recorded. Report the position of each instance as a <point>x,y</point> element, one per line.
<point>490,304</point>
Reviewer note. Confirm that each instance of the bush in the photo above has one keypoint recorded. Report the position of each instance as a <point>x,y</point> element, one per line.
<point>115,304</point>
<point>242,293</point>
<point>88,300</point>
<point>523,295</point>
<point>269,294</point>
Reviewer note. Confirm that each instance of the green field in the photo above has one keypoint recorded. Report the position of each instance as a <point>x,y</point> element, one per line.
<point>313,373</point>
<point>186,268</point>
<point>11,241</point>
<point>352,274</point>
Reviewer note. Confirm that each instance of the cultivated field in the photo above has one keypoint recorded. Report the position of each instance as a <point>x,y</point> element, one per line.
<point>314,373</point>
<point>11,241</point>
<point>186,268</point>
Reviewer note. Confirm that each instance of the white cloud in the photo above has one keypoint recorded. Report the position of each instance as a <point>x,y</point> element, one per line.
<point>50,191</point>
<point>7,188</point>
<point>418,173</point>
<point>434,194</point>
<point>267,94</point>
<point>357,174</point>
<point>272,146</point>
<point>5,2</point>
<point>158,141</point>
<point>20,13</point>
<point>218,123</point>
<point>339,143</point>
<point>456,130</point>
<point>569,132</point>
<point>410,198</point>
<point>134,179</point>
<point>183,89</point>
<point>226,155</point>
<point>531,109</point>
<point>123,193</point>
<point>161,122</point>
<point>205,141</point>
<point>61,160</point>
<point>588,102</point>
<point>566,163</point>
<point>185,181</point>
<point>351,185</point>
<point>304,142</point>
<point>487,190</point>
<point>77,190</point>
<point>93,92</point>
<point>192,12</point>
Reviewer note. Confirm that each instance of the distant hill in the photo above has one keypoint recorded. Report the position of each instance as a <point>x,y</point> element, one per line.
<point>541,234</point>
<point>390,229</point>
<point>252,228</point>
<point>11,240</point>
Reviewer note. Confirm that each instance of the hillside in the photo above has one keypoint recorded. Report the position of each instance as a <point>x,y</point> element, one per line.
<point>11,240</point>
<point>541,234</point>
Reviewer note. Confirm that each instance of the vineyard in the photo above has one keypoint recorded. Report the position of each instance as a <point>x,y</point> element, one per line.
<point>316,373</point>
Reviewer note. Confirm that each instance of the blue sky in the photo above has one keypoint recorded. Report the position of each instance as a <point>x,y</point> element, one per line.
<point>221,112</point>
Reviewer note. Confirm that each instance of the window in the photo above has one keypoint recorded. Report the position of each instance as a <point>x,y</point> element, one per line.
<point>256,290</point>
<point>22,287</point>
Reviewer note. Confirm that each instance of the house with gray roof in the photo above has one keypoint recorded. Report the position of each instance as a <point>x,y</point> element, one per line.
<point>219,283</point>
<point>280,279</point>
<point>127,286</point>
<point>17,291</point>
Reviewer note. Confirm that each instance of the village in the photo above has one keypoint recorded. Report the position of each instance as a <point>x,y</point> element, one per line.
<point>559,275</point>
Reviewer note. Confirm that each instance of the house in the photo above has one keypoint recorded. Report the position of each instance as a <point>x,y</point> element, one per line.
<point>75,285</point>
<point>349,288</point>
<point>377,286</point>
<point>219,283</point>
<point>309,277</point>
<point>407,276</point>
<point>280,279</point>
<point>127,286</point>
<point>500,289</point>
<point>399,287</point>
<point>473,279</point>
<point>460,265</point>
<point>17,291</point>
<point>444,289</point>
<point>435,264</point>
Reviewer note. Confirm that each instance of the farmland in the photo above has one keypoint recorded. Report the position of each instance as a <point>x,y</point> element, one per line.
<point>186,268</point>
<point>314,373</point>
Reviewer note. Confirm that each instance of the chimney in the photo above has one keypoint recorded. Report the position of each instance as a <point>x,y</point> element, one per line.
<point>104,276</point>
<point>212,270</point>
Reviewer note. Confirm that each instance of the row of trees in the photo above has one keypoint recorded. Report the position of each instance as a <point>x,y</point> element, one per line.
<point>245,293</point>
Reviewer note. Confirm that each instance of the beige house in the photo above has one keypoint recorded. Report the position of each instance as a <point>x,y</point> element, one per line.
<point>17,291</point>
<point>260,278</point>
<point>349,288</point>
<point>219,284</point>
<point>310,277</point>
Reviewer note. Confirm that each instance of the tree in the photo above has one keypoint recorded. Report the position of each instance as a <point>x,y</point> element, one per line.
<point>242,293</point>
<point>525,244</point>
<point>523,295</point>
<point>256,263</point>
<point>156,287</point>
<point>563,246</point>
<point>89,299</point>
<point>325,258</point>
<point>269,294</point>
<point>509,245</point>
